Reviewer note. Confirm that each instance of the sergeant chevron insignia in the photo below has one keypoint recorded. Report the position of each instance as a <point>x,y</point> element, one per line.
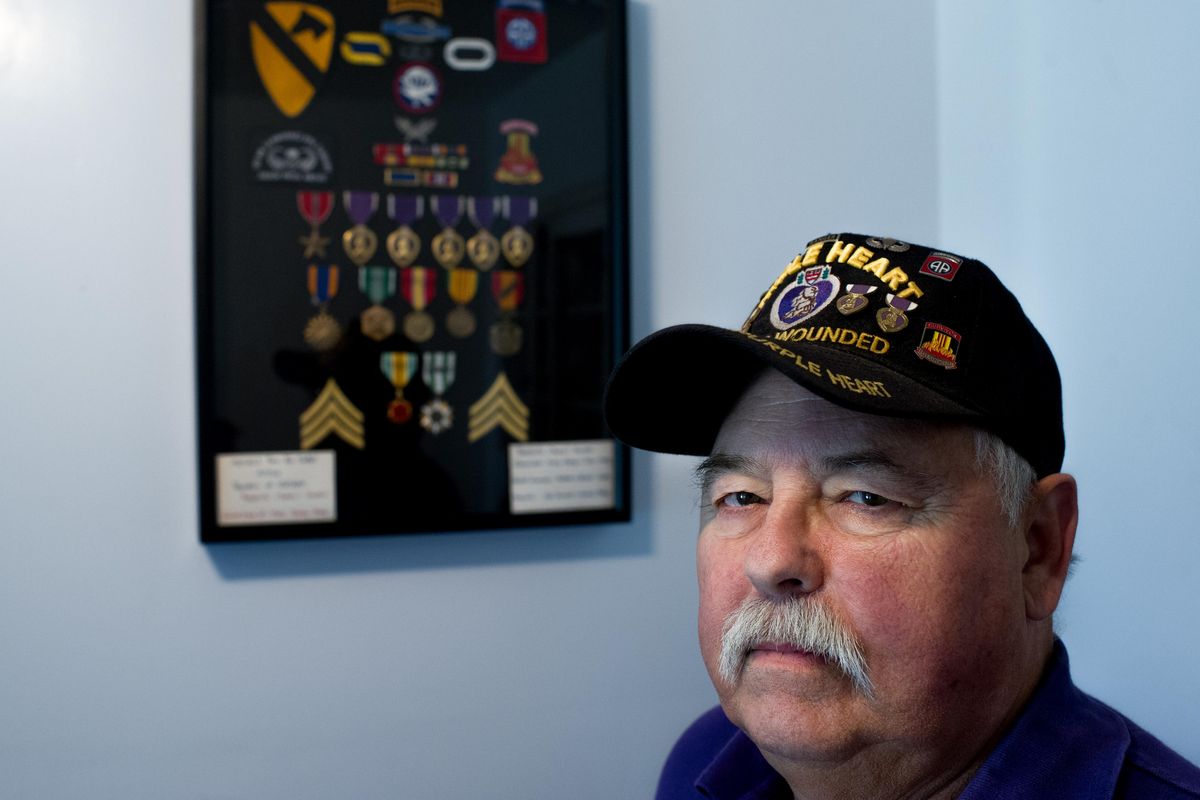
<point>292,44</point>
<point>332,412</point>
<point>499,408</point>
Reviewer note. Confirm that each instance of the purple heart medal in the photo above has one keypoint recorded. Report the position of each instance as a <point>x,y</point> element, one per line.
<point>517,243</point>
<point>483,247</point>
<point>403,244</point>
<point>448,246</point>
<point>813,290</point>
<point>360,241</point>
<point>891,317</point>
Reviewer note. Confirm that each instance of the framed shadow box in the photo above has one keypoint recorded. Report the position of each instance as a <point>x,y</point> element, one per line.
<point>412,266</point>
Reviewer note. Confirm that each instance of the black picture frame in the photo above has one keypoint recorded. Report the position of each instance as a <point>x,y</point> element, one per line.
<point>305,110</point>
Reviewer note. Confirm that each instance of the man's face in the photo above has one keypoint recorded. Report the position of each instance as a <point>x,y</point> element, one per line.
<point>891,527</point>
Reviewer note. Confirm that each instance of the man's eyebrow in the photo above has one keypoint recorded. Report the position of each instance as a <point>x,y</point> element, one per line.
<point>876,461</point>
<point>719,464</point>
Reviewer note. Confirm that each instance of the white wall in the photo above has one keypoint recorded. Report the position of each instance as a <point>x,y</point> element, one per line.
<point>1068,160</point>
<point>528,664</point>
<point>533,664</point>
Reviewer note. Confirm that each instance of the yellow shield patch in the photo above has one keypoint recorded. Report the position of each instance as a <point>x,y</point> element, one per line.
<point>292,44</point>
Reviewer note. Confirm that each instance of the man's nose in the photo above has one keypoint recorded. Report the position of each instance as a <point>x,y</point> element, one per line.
<point>784,557</point>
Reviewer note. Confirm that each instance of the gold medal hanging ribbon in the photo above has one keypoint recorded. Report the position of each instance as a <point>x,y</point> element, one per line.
<point>399,368</point>
<point>463,285</point>
<point>448,246</point>
<point>517,243</point>
<point>360,241</point>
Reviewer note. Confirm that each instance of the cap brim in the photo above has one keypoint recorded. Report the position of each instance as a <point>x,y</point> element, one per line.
<point>672,391</point>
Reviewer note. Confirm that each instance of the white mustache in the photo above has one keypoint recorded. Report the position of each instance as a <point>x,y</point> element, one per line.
<point>803,623</point>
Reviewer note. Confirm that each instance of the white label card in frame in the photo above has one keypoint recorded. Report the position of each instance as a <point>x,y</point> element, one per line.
<point>276,488</point>
<point>560,476</point>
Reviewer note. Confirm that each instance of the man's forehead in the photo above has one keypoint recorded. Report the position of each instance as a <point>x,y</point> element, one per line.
<point>778,414</point>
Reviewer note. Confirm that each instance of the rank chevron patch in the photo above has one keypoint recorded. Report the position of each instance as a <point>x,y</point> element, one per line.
<point>499,408</point>
<point>332,412</point>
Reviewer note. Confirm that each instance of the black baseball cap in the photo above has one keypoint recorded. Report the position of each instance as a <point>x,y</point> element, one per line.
<point>874,324</point>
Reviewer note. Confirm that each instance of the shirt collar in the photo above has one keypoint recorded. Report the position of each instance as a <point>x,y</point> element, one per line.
<point>1062,745</point>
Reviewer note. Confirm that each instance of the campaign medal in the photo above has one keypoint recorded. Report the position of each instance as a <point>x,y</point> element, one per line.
<point>812,291</point>
<point>399,369</point>
<point>517,243</point>
<point>315,208</point>
<point>322,331</point>
<point>483,247</point>
<point>378,284</point>
<point>518,165</point>
<point>464,283</point>
<point>855,298</point>
<point>419,286</point>
<point>448,246</point>
<point>360,241</point>
<point>508,287</point>
<point>438,372</point>
<point>891,318</point>
<point>403,244</point>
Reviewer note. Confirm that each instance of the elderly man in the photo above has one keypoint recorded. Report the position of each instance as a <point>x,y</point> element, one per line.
<point>884,536</point>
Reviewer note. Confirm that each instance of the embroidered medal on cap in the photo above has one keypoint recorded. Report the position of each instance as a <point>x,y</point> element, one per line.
<point>813,290</point>
<point>941,265</point>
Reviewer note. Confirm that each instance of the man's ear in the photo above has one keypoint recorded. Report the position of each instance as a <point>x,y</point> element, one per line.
<point>1050,536</point>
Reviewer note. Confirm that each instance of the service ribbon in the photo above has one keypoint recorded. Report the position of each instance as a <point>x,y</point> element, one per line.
<point>508,287</point>
<point>322,282</point>
<point>377,283</point>
<point>398,367</point>
<point>360,206</point>
<point>405,209</point>
<point>520,210</point>
<point>315,207</point>
<point>482,211</point>
<point>900,303</point>
<point>448,210</point>
<point>464,283</point>
<point>438,370</point>
<point>419,285</point>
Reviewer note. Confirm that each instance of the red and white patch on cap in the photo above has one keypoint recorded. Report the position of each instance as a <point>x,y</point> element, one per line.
<point>941,265</point>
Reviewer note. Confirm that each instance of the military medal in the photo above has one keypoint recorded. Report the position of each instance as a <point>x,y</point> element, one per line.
<point>360,241</point>
<point>419,286</point>
<point>463,285</point>
<point>322,331</point>
<point>399,369</point>
<point>517,243</point>
<point>518,165</point>
<point>403,244</point>
<point>438,372</point>
<point>448,246</point>
<point>378,284</point>
<point>855,298</point>
<point>315,207</point>
<point>483,247</point>
<point>508,287</point>
<point>891,317</point>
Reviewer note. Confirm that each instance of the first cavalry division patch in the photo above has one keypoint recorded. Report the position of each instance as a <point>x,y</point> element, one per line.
<point>292,44</point>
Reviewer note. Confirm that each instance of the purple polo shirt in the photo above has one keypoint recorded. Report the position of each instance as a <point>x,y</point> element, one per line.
<point>1065,745</point>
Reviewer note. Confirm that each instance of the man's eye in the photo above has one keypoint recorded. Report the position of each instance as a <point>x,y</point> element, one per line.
<point>867,499</point>
<point>739,499</point>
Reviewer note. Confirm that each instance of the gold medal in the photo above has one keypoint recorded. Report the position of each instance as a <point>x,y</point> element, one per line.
<point>449,248</point>
<point>460,322</point>
<point>360,243</point>
<point>403,245</point>
<point>377,323</point>
<point>484,249</point>
<point>418,326</point>
<point>506,338</point>
<point>322,332</point>
<point>517,244</point>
